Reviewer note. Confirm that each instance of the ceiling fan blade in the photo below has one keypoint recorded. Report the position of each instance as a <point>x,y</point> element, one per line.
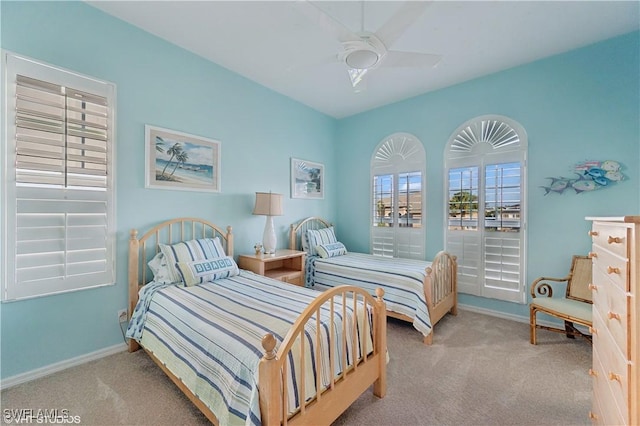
<point>408,13</point>
<point>395,59</point>
<point>325,21</point>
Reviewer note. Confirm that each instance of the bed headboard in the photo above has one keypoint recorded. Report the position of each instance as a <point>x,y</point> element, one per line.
<point>298,229</point>
<point>142,249</point>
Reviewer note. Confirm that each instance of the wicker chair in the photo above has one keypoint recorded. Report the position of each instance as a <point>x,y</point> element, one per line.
<point>575,305</point>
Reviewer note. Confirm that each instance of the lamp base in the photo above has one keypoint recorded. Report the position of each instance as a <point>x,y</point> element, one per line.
<point>269,239</point>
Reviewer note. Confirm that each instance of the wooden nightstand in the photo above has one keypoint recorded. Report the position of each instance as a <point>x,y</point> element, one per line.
<point>284,265</point>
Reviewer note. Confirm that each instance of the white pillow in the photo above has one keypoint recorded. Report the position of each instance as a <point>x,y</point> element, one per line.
<point>156,263</point>
<point>331,250</point>
<point>160,269</point>
<point>315,237</point>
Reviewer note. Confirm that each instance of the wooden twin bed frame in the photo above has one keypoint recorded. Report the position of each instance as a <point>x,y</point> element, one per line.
<point>325,406</point>
<point>440,283</point>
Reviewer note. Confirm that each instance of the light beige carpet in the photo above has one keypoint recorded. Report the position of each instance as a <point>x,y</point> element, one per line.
<point>480,371</point>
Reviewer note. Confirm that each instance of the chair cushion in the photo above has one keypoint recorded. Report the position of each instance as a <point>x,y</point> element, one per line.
<point>572,308</point>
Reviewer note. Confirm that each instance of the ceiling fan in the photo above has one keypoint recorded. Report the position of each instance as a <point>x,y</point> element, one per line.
<point>365,51</point>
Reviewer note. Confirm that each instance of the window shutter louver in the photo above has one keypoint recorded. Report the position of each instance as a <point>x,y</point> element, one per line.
<point>63,195</point>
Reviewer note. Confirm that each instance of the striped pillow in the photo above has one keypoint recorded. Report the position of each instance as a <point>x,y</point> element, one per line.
<point>331,250</point>
<point>315,237</point>
<point>201,271</point>
<point>190,251</point>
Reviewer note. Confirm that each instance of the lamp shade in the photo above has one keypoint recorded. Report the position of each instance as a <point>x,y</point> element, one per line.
<point>268,204</point>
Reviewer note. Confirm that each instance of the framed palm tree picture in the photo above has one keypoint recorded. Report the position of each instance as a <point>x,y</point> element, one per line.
<point>176,160</point>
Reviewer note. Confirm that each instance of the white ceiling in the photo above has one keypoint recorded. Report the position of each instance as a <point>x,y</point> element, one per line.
<point>277,46</point>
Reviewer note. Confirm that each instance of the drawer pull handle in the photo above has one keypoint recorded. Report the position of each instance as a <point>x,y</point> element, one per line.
<point>613,270</point>
<point>592,254</point>
<point>593,416</point>
<point>612,240</point>
<point>593,287</point>
<point>593,330</point>
<point>614,376</point>
<point>613,315</point>
<point>593,373</point>
<point>593,233</point>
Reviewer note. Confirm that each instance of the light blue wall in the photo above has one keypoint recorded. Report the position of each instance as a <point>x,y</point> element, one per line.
<point>582,105</point>
<point>162,85</point>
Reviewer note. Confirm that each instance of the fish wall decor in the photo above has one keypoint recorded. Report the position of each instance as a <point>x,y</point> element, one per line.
<point>587,176</point>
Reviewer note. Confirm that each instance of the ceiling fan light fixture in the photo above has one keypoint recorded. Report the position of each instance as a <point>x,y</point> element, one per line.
<point>362,59</point>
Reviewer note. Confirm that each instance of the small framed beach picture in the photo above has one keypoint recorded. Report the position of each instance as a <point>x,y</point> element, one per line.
<point>176,160</point>
<point>307,179</point>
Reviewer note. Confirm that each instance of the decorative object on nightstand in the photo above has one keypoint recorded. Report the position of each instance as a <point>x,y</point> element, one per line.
<point>258,248</point>
<point>268,204</point>
<point>283,265</point>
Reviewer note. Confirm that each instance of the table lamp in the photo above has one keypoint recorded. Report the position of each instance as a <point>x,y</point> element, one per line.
<point>268,204</point>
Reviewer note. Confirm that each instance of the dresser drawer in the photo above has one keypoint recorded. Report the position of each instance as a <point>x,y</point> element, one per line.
<point>595,414</point>
<point>614,366</point>
<point>612,305</point>
<point>604,409</point>
<point>612,237</point>
<point>612,266</point>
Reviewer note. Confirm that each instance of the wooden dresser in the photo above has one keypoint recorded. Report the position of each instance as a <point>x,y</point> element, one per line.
<point>616,313</point>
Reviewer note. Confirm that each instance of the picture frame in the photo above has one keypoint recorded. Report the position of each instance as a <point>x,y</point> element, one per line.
<point>180,161</point>
<point>307,179</point>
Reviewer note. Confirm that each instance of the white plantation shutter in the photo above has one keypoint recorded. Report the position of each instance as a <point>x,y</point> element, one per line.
<point>485,171</point>
<point>466,246</point>
<point>59,194</point>
<point>397,202</point>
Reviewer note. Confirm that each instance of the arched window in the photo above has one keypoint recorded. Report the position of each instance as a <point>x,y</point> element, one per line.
<point>397,202</point>
<point>485,171</point>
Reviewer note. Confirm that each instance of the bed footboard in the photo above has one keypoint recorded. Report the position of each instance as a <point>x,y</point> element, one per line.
<point>355,376</point>
<point>440,289</point>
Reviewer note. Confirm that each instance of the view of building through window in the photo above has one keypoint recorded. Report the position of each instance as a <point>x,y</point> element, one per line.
<point>402,205</point>
<point>501,197</point>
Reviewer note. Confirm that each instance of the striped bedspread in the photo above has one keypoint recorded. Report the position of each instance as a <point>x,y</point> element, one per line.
<point>210,335</point>
<point>401,279</point>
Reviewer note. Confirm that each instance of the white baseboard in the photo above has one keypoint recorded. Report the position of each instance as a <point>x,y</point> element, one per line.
<point>513,317</point>
<point>493,313</point>
<point>59,366</point>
